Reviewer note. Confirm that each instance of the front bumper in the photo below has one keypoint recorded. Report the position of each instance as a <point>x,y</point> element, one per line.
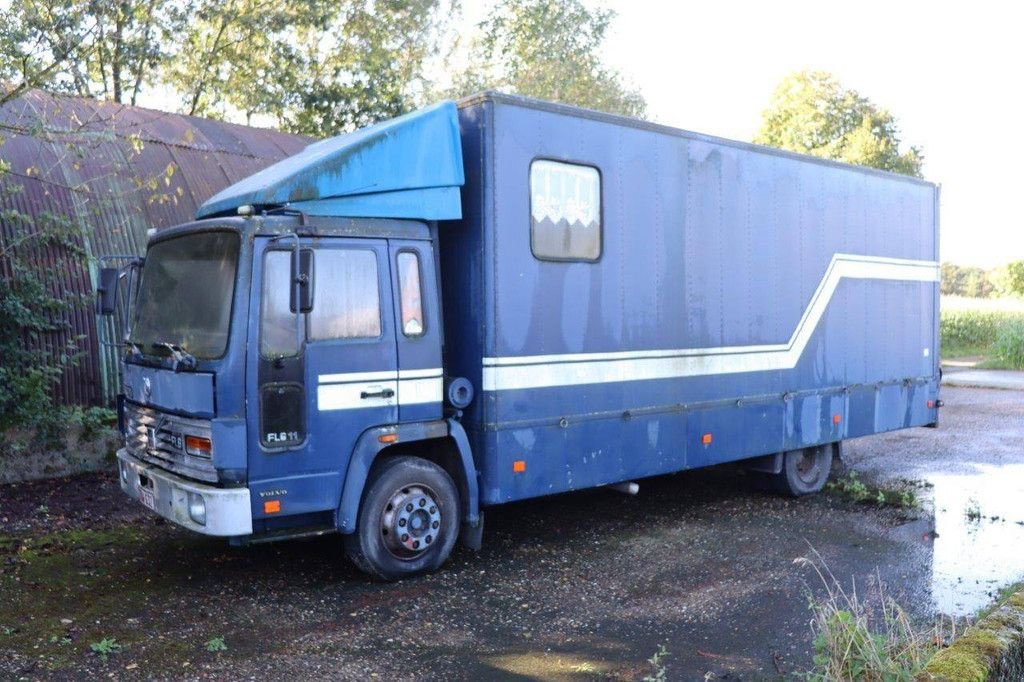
<point>228,510</point>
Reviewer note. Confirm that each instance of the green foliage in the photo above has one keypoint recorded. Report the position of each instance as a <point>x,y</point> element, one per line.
<point>32,310</point>
<point>105,647</point>
<point>215,644</point>
<point>657,661</point>
<point>976,332</point>
<point>812,113</point>
<point>550,49</point>
<point>966,281</point>
<point>1009,344</point>
<point>1009,279</point>
<point>869,638</point>
<point>852,487</point>
<point>322,66</point>
<point>84,47</point>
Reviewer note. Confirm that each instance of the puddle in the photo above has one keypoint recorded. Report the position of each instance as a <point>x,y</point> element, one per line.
<point>979,547</point>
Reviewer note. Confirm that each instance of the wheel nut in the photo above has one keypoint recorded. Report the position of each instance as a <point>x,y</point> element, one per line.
<point>401,522</point>
<point>433,510</point>
<point>423,502</point>
<point>405,537</point>
<point>429,539</point>
<point>435,525</point>
<point>416,544</point>
<point>408,507</point>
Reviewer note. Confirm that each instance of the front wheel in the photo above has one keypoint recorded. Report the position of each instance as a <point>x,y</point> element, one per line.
<point>408,520</point>
<point>804,471</point>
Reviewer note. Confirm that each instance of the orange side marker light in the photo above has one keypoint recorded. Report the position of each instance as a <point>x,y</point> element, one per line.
<point>836,419</point>
<point>931,404</point>
<point>388,438</point>
<point>271,506</point>
<point>519,466</point>
<point>706,439</point>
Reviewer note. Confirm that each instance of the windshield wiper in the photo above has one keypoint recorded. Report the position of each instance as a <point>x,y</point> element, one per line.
<point>182,358</point>
<point>134,349</point>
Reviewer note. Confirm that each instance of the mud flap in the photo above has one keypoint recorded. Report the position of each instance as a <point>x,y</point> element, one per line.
<point>471,536</point>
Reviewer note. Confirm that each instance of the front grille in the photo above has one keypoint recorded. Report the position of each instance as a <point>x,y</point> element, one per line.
<point>158,438</point>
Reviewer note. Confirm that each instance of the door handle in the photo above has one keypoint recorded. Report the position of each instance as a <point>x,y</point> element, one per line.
<point>384,393</point>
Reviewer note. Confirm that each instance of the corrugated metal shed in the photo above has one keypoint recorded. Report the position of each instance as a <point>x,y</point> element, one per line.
<point>114,171</point>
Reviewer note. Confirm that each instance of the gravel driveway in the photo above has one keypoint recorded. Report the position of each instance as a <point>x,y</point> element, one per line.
<point>578,586</point>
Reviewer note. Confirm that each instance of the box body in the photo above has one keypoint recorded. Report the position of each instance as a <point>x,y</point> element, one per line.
<point>746,301</point>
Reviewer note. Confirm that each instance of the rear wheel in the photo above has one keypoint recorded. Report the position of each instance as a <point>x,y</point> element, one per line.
<point>408,520</point>
<point>804,471</point>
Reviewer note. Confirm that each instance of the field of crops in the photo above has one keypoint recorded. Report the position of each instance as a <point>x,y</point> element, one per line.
<point>992,329</point>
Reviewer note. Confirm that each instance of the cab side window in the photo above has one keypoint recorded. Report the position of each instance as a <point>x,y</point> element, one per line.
<point>279,333</point>
<point>347,295</point>
<point>411,295</point>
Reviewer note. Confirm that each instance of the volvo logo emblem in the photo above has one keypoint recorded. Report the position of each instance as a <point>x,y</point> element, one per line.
<point>147,390</point>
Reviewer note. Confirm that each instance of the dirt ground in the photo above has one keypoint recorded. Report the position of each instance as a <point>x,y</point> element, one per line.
<point>579,586</point>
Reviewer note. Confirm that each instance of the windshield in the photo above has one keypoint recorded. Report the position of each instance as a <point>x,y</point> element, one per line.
<point>185,295</point>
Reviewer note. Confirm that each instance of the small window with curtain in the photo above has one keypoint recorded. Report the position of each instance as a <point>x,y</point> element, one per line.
<point>411,294</point>
<point>347,295</point>
<point>565,211</point>
<point>279,328</point>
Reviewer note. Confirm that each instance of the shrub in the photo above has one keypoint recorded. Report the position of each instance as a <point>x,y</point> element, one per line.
<point>1009,344</point>
<point>872,638</point>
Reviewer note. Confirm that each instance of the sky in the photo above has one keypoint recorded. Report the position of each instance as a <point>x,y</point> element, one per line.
<point>951,73</point>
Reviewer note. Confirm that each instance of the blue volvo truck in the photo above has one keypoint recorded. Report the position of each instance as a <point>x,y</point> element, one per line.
<point>503,298</point>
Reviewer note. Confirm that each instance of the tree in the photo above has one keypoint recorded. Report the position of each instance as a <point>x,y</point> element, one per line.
<point>375,68</point>
<point>811,113</point>
<point>314,66</point>
<point>88,48</point>
<point>1010,279</point>
<point>958,280</point>
<point>550,49</point>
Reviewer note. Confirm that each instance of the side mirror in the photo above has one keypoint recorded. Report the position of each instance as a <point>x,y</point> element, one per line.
<point>106,292</point>
<point>301,300</point>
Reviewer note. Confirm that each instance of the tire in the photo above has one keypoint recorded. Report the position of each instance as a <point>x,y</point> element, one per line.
<point>408,519</point>
<point>804,471</point>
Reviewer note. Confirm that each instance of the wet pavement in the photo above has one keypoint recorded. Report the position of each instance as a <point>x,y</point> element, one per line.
<point>974,467</point>
<point>578,586</point>
<point>983,378</point>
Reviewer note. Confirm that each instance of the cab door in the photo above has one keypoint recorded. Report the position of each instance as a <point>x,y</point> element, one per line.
<point>321,378</point>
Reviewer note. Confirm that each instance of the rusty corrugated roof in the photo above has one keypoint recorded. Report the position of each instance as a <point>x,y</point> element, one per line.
<point>114,171</point>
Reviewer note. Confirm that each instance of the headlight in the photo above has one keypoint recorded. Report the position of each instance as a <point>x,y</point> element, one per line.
<point>197,508</point>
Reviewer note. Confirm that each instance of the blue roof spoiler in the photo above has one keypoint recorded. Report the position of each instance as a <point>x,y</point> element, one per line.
<point>406,167</point>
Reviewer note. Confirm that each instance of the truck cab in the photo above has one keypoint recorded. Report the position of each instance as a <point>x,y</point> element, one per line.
<point>283,368</point>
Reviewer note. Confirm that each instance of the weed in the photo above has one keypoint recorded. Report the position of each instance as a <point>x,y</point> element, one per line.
<point>866,639</point>
<point>585,668</point>
<point>43,510</point>
<point>657,661</point>
<point>105,647</point>
<point>973,510</point>
<point>60,639</point>
<point>216,644</point>
<point>854,488</point>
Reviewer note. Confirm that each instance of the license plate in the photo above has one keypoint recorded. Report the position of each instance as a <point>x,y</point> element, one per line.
<point>146,497</point>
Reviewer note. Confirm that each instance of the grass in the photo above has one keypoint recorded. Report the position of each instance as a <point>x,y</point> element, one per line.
<point>869,637</point>
<point>989,328</point>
